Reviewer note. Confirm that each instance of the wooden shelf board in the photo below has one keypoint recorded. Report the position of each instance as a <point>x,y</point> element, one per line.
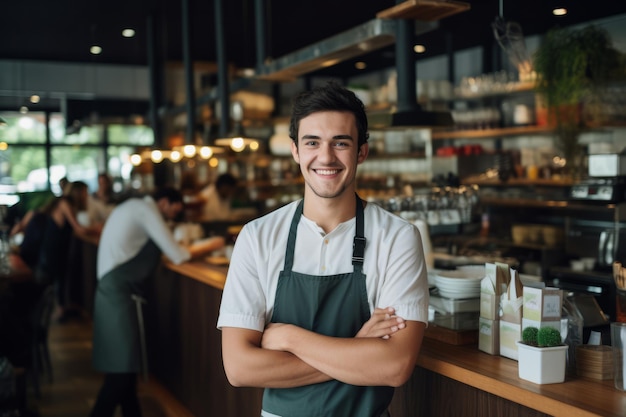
<point>491,133</point>
<point>427,10</point>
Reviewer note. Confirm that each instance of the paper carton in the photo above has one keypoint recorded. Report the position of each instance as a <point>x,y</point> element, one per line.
<point>489,336</point>
<point>510,334</point>
<point>512,301</point>
<point>542,304</point>
<point>491,287</point>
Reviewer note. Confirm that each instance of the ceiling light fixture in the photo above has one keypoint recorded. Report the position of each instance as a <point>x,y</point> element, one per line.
<point>419,49</point>
<point>237,140</point>
<point>559,11</point>
<point>360,65</point>
<point>203,151</point>
<point>35,99</point>
<point>95,50</point>
<point>128,33</point>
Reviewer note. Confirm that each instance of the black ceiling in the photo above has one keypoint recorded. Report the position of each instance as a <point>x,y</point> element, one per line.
<point>63,30</point>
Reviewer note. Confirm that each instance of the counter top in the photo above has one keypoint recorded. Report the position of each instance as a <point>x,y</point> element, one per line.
<point>576,397</point>
<point>201,270</point>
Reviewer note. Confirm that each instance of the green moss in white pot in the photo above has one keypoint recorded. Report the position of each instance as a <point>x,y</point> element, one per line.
<point>542,355</point>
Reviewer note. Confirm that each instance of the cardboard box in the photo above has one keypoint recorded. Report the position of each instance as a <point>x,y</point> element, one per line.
<point>489,336</point>
<point>542,304</point>
<point>489,306</point>
<point>510,334</point>
<point>512,301</point>
<point>490,290</point>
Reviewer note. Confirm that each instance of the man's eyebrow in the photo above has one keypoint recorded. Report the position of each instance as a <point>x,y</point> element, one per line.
<point>334,137</point>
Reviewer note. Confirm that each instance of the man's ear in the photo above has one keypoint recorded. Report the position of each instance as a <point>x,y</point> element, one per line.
<point>363,152</point>
<point>294,152</point>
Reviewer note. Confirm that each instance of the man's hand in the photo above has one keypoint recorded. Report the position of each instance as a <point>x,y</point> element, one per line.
<point>272,336</point>
<point>383,323</point>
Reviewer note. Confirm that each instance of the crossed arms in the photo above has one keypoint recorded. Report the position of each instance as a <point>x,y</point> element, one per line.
<point>383,352</point>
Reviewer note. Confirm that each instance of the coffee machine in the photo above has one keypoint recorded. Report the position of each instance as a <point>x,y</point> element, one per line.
<point>606,180</point>
<point>596,228</point>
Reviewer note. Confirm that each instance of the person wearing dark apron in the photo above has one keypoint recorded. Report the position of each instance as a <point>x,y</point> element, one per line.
<point>116,344</point>
<point>326,298</point>
<point>343,295</point>
<point>133,239</point>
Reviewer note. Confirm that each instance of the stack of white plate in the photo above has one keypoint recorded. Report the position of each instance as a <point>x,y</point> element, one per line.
<point>460,284</point>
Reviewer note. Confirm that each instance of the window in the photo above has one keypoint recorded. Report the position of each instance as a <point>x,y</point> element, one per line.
<point>24,128</point>
<point>36,152</point>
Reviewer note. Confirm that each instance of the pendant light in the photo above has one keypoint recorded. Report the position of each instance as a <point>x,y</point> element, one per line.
<point>237,139</point>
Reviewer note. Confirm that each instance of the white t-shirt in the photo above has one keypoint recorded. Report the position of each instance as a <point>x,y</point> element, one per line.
<point>394,264</point>
<point>128,229</point>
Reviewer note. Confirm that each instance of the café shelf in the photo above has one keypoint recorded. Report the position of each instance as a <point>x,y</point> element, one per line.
<point>490,133</point>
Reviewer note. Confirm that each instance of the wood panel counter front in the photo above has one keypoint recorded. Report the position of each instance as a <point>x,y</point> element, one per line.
<point>448,380</point>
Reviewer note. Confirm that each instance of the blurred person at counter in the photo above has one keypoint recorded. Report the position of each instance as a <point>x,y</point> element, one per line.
<point>102,201</point>
<point>63,183</point>
<point>133,239</point>
<point>31,228</point>
<point>60,225</point>
<point>218,198</point>
<point>326,299</point>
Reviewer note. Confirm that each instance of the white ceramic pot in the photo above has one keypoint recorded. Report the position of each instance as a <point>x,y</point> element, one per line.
<point>544,365</point>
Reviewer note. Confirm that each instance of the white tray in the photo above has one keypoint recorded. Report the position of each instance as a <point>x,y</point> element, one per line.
<point>447,305</point>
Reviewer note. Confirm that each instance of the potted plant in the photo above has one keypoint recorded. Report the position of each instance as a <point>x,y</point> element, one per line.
<point>573,68</point>
<point>542,355</point>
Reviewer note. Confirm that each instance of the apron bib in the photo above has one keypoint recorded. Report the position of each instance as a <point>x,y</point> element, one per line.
<point>116,344</point>
<point>314,302</point>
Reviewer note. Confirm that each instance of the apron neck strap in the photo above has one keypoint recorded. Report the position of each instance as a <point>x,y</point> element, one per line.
<point>291,240</point>
<point>358,247</point>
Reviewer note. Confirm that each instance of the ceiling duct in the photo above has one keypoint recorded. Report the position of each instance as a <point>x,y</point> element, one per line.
<point>394,25</point>
<point>407,112</point>
<point>360,40</point>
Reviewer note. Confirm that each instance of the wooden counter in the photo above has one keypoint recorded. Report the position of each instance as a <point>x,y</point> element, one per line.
<point>448,379</point>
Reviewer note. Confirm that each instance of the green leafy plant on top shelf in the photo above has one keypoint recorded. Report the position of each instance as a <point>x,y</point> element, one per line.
<point>574,67</point>
<point>544,337</point>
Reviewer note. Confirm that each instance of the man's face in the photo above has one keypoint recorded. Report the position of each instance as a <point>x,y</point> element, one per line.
<point>169,210</point>
<point>328,152</point>
<point>225,191</point>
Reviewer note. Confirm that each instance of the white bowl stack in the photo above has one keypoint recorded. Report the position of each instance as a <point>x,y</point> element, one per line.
<point>462,283</point>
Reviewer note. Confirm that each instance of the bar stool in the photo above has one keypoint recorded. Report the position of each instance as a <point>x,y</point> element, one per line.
<point>41,318</point>
<point>139,301</point>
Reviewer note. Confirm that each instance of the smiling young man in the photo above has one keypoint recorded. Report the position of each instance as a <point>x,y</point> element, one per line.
<point>326,299</point>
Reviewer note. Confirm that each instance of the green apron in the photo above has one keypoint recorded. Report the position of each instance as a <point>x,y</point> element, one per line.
<point>314,303</point>
<point>116,342</point>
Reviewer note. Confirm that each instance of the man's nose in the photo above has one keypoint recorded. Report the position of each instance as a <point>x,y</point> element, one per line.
<point>327,152</point>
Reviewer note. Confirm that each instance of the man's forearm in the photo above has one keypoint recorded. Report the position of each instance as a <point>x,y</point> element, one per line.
<point>249,365</point>
<point>357,361</point>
